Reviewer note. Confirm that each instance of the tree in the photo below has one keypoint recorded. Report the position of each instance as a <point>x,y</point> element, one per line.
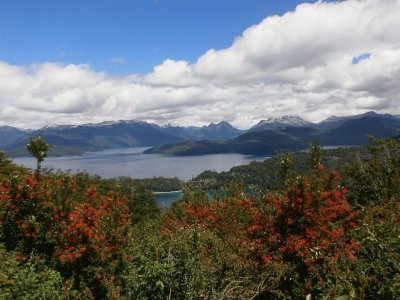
<point>38,147</point>
<point>6,166</point>
<point>377,176</point>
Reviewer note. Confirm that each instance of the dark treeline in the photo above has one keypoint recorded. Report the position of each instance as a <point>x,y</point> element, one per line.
<point>263,177</point>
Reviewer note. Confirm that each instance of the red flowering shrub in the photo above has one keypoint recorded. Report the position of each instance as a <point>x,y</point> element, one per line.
<point>74,232</point>
<point>310,225</point>
<point>228,219</point>
<point>214,235</point>
<point>96,226</point>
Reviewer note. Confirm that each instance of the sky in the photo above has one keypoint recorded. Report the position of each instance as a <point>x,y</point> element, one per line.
<point>193,62</point>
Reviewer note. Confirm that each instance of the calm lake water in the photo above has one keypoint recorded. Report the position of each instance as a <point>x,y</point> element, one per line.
<point>165,199</point>
<point>132,162</point>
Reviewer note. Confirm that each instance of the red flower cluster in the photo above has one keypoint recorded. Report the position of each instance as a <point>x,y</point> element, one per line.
<point>227,219</point>
<point>51,218</point>
<point>96,226</point>
<point>310,222</point>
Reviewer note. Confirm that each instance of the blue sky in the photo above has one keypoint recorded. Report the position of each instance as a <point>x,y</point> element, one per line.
<point>193,62</point>
<point>123,36</point>
<point>360,58</point>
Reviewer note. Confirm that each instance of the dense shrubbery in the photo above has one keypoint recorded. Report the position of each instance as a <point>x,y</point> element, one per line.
<point>75,233</point>
<point>319,233</point>
<point>29,280</point>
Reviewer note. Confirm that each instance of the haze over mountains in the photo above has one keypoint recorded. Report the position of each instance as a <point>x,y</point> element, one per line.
<point>287,132</point>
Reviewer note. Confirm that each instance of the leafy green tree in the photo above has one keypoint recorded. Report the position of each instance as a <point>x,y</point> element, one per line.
<point>38,147</point>
<point>376,272</point>
<point>236,189</point>
<point>142,204</point>
<point>376,177</point>
<point>315,156</point>
<point>6,167</point>
<point>285,163</point>
<point>4,161</point>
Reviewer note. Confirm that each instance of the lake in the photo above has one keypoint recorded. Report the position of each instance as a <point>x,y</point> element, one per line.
<point>165,199</point>
<point>132,162</point>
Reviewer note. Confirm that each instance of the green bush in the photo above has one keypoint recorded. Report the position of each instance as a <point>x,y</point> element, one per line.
<point>376,177</point>
<point>28,280</point>
<point>193,262</point>
<point>376,272</point>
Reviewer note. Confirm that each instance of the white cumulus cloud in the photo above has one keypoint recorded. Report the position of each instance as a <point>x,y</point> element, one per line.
<point>299,63</point>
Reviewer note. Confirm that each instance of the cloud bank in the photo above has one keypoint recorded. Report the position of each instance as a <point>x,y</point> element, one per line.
<point>300,63</point>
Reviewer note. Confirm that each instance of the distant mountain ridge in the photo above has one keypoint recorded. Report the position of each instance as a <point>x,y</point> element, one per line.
<point>289,132</point>
<point>208,132</point>
<point>75,139</point>
<point>9,135</point>
<point>334,121</point>
<point>348,131</point>
<point>330,122</point>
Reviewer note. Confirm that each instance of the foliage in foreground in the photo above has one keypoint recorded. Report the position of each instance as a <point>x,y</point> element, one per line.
<point>320,233</point>
<point>30,280</point>
<point>77,234</point>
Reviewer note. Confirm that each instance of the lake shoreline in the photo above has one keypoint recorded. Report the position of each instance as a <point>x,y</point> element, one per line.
<point>170,192</point>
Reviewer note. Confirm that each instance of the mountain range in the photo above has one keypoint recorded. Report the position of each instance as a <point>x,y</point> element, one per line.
<point>8,135</point>
<point>264,138</point>
<point>76,139</point>
<point>294,136</point>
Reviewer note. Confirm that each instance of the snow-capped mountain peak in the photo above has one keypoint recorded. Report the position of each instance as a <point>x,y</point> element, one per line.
<point>284,121</point>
